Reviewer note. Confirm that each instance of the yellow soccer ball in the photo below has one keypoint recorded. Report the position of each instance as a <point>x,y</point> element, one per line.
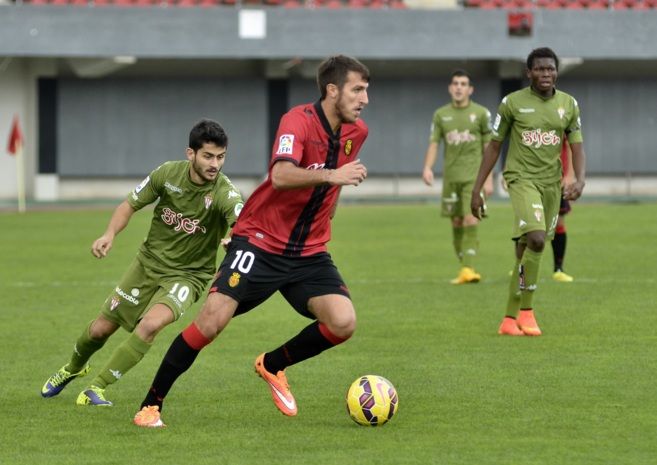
<point>372,400</point>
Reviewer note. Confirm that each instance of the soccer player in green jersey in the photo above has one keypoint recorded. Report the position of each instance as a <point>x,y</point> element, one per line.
<point>535,119</point>
<point>464,128</point>
<point>197,204</point>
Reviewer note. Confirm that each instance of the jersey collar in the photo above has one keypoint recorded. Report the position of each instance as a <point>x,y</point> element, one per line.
<point>533,92</point>
<point>454,107</point>
<point>324,120</point>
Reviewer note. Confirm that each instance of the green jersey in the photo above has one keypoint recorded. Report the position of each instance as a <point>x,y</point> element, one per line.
<point>464,131</point>
<point>536,126</point>
<point>188,222</point>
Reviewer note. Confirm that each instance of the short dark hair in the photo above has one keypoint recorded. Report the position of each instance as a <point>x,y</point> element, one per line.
<point>461,73</point>
<point>334,70</point>
<point>207,131</point>
<point>542,52</point>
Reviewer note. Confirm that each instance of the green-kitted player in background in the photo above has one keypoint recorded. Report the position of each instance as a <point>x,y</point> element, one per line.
<point>464,128</point>
<point>535,119</point>
<point>197,204</point>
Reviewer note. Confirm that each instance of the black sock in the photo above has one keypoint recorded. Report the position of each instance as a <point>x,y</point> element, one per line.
<point>177,360</point>
<point>559,250</point>
<point>308,343</point>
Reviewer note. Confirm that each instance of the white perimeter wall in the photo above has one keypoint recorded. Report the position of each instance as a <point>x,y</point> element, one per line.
<point>18,90</point>
<point>17,97</point>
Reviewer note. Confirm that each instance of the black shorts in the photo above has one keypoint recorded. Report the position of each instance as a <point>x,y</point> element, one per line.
<point>250,275</point>
<point>564,206</point>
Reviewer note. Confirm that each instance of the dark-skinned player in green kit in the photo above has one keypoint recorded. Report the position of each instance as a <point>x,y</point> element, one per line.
<point>534,119</point>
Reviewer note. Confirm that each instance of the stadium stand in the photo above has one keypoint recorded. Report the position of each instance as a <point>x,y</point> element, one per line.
<point>375,4</point>
<point>327,4</point>
<point>562,4</point>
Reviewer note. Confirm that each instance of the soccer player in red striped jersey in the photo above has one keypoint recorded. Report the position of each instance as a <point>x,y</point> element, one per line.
<point>279,241</point>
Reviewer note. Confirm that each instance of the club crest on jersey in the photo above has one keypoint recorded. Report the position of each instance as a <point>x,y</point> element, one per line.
<point>208,201</point>
<point>285,144</point>
<point>114,303</point>
<point>347,147</point>
<point>473,117</point>
<point>234,279</point>
<point>538,214</point>
<point>561,112</point>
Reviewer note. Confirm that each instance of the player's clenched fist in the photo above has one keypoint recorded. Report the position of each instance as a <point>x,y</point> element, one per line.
<point>101,246</point>
<point>349,174</point>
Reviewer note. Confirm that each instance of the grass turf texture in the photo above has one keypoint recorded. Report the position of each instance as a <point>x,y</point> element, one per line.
<point>583,393</point>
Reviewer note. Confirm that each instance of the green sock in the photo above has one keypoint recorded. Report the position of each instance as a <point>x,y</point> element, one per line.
<point>127,355</point>
<point>530,263</point>
<point>83,350</point>
<point>457,240</point>
<point>513,302</point>
<point>470,245</point>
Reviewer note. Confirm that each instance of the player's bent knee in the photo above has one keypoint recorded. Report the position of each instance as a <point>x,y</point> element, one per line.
<point>101,329</point>
<point>211,323</point>
<point>470,220</point>
<point>336,312</point>
<point>457,221</point>
<point>536,245</point>
<point>343,326</point>
<point>215,314</point>
<point>148,328</point>
<point>345,332</point>
<point>536,241</point>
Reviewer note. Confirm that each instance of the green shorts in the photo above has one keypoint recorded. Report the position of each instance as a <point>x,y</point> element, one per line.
<point>140,288</point>
<point>536,207</point>
<point>456,198</point>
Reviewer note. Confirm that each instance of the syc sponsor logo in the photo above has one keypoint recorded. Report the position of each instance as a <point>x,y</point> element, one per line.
<point>537,138</point>
<point>181,224</point>
<point>455,138</point>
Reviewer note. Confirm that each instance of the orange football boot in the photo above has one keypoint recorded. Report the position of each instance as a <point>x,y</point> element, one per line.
<point>149,417</point>
<point>280,390</point>
<point>509,327</point>
<point>527,323</point>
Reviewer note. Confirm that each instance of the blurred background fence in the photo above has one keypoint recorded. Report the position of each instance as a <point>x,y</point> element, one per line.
<point>105,91</point>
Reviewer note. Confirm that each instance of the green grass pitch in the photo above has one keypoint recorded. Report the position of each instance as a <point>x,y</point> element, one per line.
<point>583,393</point>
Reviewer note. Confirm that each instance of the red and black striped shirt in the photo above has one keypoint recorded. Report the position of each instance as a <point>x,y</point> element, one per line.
<point>296,222</point>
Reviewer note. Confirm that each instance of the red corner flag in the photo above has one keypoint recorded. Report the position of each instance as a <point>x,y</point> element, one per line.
<point>15,138</point>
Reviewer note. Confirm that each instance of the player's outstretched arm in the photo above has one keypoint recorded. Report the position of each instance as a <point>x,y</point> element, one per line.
<point>119,220</point>
<point>286,175</point>
<point>491,154</point>
<point>573,191</point>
